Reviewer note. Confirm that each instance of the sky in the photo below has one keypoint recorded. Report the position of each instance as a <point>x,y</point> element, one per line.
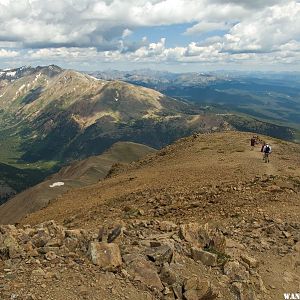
<point>173,35</point>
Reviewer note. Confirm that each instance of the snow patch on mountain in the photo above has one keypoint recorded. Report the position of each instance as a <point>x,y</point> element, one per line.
<point>11,74</point>
<point>56,184</point>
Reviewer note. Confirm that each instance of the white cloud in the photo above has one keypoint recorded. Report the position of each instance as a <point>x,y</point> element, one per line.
<point>267,30</point>
<point>206,27</point>
<point>56,23</point>
<point>8,53</point>
<point>127,32</point>
<point>250,3</point>
<point>103,30</point>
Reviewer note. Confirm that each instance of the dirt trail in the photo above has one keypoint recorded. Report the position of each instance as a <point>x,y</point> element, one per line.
<point>266,168</point>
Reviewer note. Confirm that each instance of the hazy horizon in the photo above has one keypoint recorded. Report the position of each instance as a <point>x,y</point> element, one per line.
<point>138,69</point>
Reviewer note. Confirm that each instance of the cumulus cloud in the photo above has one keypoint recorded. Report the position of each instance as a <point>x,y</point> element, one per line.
<point>266,31</point>
<point>206,27</point>
<point>103,30</point>
<point>250,3</point>
<point>57,23</point>
<point>8,53</point>
<point>127,32</point>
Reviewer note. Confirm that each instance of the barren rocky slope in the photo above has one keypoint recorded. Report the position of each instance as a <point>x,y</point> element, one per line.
<point>204,218</point>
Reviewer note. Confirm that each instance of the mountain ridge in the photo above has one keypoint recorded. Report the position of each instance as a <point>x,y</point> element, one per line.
<point>204,216</point>
<point>228,144</point>
<point>50,117</point>
<point>71,110</point>
<point>271,97</point>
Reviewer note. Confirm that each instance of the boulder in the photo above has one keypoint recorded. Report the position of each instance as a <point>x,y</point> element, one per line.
<point>217,241</point>
<point>250,261</point>
<point>177,290</point>
<point>234,249</point>
<point>195,234</point>
<point>168,275</point>
<point>71,243</point>
<point>201,236</point>
<point>167,226</point>
<point>9,247</point>
<point>54,230</point>
<point>244,291</point>
<point>11,229</point>
<point>114,234</point>
<point>235,271</point>
<point>41,238</point>
<point>199,289</point>
<point>142,270</point>
<point>161,254</point>
<point>105,255</point>
<point>207,258</point>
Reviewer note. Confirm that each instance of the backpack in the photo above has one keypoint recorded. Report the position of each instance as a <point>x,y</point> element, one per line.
<point>267,149</point>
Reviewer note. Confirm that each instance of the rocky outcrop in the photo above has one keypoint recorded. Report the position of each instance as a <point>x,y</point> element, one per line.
<point>106,256</point>
<point>187,262</point>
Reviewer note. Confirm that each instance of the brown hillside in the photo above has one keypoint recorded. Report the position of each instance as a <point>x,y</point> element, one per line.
<point>77,174</point>
<point>204,218</point>
<point>180,174</point>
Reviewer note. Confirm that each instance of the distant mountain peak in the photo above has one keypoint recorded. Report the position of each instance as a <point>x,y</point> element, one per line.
<point>12,74</point>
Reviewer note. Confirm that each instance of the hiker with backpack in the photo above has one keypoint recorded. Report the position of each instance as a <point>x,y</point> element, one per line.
<point>252,142</point>
<point>266,151</point>
<point>262,146</point>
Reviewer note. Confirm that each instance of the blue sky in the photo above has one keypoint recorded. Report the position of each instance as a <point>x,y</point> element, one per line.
<point>173,34</point>
<point>176,35</point>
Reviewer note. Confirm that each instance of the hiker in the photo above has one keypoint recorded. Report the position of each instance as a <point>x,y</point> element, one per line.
<point>252,142</point>
<point>267,151</point>
<point>263,146</point>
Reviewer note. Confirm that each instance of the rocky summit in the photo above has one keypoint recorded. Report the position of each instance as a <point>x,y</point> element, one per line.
<point>204,218</point>
<point>146,259</point>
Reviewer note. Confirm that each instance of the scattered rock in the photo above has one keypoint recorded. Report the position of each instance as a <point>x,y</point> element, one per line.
<point>244,291</point>
<point>114,234</point>
<point>105,255</point>
<point>50,255</point>
<point>38,272</point>
<point>194,234</point>
<point>199,289</point>
<point>235,271</point>
<point>250,261</point>
<point>167,226</point>
<point>10,246</point>
<point>169,276</point>
<point>142,270</point>
<point>207,258</point>
<point>160,254</point>
<point>297,247</point>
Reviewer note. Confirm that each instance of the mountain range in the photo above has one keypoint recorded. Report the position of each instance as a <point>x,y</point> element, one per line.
<point>50,117</point>
<point>63,114</point>
<point>271,97</point>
